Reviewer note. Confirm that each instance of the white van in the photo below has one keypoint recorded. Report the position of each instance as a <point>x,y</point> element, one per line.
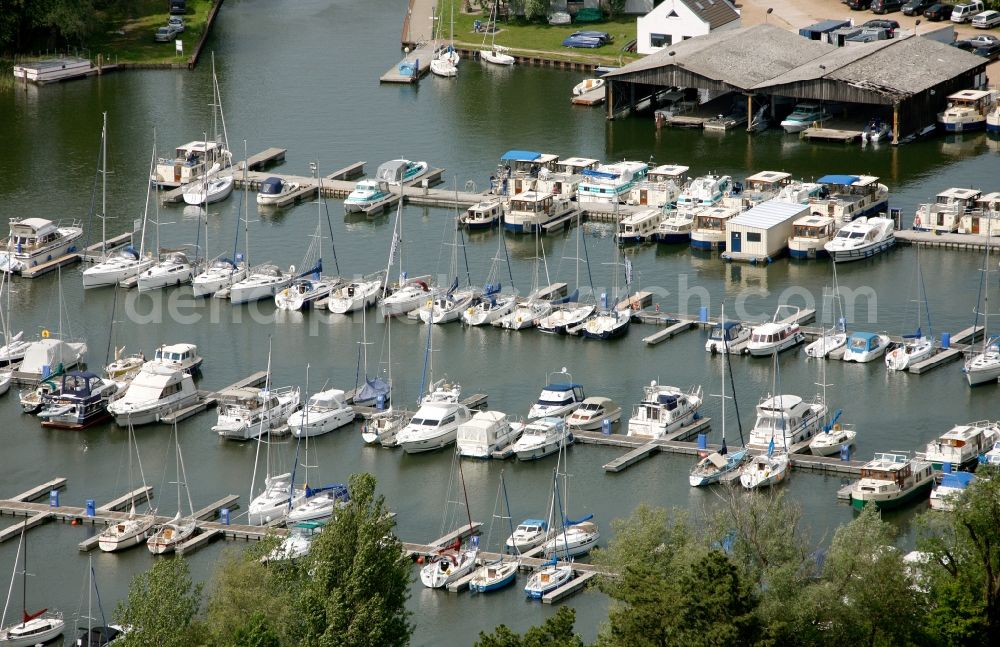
<point>965,11</point>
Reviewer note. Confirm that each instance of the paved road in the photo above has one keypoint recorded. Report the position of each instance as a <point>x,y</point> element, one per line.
<point>421,26</point>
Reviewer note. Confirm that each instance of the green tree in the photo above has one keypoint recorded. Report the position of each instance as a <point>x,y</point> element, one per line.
<point>616,7</point>
<point>535,9</point>
<point>161,606</point>
<point>717,608</point>
<point>359,577</point>
<point>866,596</point>
<point>256,632</point>
<point>963,567</point>
<point>556,631</point>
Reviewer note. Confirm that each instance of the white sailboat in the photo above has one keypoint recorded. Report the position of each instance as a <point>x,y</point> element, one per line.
<point>915,347</point>
<point>408,294</point>
<point>574,537</point>
<point>384,425</point>
<point>984,366</point>
<point>767,469</point>
<point>179,529</point>
<point>496,54</point>
<point>445,62</point>
<point>834,434</point>
<point>217,184</point>
<point>125,263</point>
<point>34,628</point>
<point>526,313</point>
<point>836,336</point>
<point>452,562</point>
<point>173,267</point>
<point>135,528</point>
<point>359,294</point>
<point>496,574</point>
<point>14,347</point>
<point>450,305</point>
<point>568,316</point>
<point>611,321</point>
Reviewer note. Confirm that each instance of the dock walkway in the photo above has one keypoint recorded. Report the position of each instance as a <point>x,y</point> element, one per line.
<point>209,399</point>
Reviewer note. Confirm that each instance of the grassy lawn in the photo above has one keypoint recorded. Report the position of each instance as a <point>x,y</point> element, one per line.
<point>542,38</point>
<point>129,38</point>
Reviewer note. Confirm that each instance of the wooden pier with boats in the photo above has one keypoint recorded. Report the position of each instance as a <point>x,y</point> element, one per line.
<point>209,399</point>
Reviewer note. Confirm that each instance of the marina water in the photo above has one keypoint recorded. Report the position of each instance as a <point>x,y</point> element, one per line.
<point>304,77</point>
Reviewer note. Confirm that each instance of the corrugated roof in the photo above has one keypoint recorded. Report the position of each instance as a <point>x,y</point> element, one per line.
<point>715,12</point>
<point>769,213</point>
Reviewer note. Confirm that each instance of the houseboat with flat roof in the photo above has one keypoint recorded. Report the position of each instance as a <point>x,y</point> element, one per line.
<point>611,183</point>
<point>662,186</point>
<point>945,213</point>
<point>849,197</point>
<point>531,211</point>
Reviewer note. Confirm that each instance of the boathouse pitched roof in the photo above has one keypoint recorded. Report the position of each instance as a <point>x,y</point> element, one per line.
<point>715,12</point>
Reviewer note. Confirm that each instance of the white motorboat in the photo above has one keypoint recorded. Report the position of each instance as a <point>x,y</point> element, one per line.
<point>664,409</point>
<point>49,355</point>
<point>528,534</point>
<point>366,195</point>
<point>803,116</point>
<point>962,445</point>
<point>950,489</point>
<point>190,162</point>
<point>609,323</point>
<point>215,188</point>
<point>324,412</point>
<point>777,335</point>
<point>611,183</point>
<point>557,398</point>
<point>525,314</point>
<point>80,401</point>
<point>565,317</point>
<point>810,234</point>
<point>275,501</point>
<point>531,211</point>
<point>355,295</point>
<point>262,282</point>
<point>865,347</point>
<point>123,264</point>
<point>173,269</point>
<point>221,274</point>
<point>675,227</point>
<point>541,438</point>
<point>593,413</point>
<point>548,578</point>
<point>485,433</point>
<point>966,110</point>
<point>443,67</point>
<point>862,238</point>
<point>296,544</point>
<point>36,240</point>
<point>320,504</point>
<point>303,293</point>
<point>944,215</point>
<point>485,214</point>
<point>407,298</point>
<point>448,566</point>
<point>180,357</point>
<point>848,197</point>
<point>154,392</point>
<point>785,414</point>
<point>891,479</point>
<point>575,539</point>
<point>489,309</point>
<point>433,426</point>
<point>275,190</point>
<point>708,232</point>
<point>587,85</point>
<point>661,186</point>
<point>834,436</point>
<point>876,130</point>
<point>728,336</point>
<point>15,348</point>
<point>247,412</point>
<point>764,471</point>
<point>400,171</point>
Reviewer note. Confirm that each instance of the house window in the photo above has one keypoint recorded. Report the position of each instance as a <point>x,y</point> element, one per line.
<point>660,40</point>
<point>753,236</point>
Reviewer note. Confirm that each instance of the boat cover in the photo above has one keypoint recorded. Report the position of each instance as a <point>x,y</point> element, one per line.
<point>271,186</point>
<point>372,389</point>
<point>392,171</point>
<point>958,480</point>
<point>839,179</point>
<point>520,156</point>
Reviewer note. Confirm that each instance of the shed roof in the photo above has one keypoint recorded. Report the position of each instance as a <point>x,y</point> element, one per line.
<point>769,213</point>
<point>715,12</point>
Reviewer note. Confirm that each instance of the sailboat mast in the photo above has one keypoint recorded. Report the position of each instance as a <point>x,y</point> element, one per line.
<point>104,187</point>
<point>246,213</point>
<point>724,354</point>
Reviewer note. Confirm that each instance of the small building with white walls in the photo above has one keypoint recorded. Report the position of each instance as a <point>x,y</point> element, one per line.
<point>760,234</point>
<point>672,21</point>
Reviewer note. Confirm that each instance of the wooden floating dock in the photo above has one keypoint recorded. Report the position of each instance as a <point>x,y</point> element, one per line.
<point>830,135</point>
<point>139,495</point>
<point>76,257</point>
<point>208,399</point>
<point>668,332</point>
<point>39,491</point>
<point>569,588</point>
<point>965,242</point>
<point>591,98</point>
<point>264,158</point>
<point>641,447</point>
<point>419,59</point>
<point>15,530</point>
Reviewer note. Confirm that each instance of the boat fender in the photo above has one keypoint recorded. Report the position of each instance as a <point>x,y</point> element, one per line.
<point>916,220</point>
<point>430,303</point>
<point>46,334</point>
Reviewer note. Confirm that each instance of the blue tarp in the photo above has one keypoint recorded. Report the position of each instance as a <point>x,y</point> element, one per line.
<point>838,179</point>
<point>591,173</point>
<point>271,186</point>
<point>958,480</point>
<point>520,156</point>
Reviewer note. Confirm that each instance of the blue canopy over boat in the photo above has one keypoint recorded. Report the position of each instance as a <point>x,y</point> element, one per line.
<point>839,179</point>
<point>958,480</point>
<point>271,186</point>
<point>534,522</point>
<point>520,156</point>
<point>601,174</point>
<point>371,390</point>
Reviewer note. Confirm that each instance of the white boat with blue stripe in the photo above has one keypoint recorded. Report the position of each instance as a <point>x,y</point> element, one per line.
<point>611,183</point>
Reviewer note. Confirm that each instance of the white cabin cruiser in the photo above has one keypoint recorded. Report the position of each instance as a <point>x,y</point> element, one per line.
<point>220,275</point>
<point>36,240</point>
<point>785,415</point>
<point>946,212</point>
<point>485,214</point>
<point>846,197</point>
<point>114,269</point>
<point>730,336</point>
<point>664,409</point>
<point>173,269</point>
<point>180,357</point>
<point>661,186</point>
<point>531,211</point>
<point>247,412</point>
<point>890,480</point>
<point>708,230</point>
<point>593,413</point>
<point>154,392</point>
<point>803,116</point>
<point>810,234</point>
<point>966,110</point>
<point>275,501</point>
<point>541,438</point>
<point>946,494</point>
<point>485,433</point>
<point>862,238</point>
<point>640,226</point>
<point>191,162</point>
<point>262,282</point>
<point>274,190</point>
<point>44,357</point>
<point>528,534</point>
<point>324,412</point>
<point>557,399</point>
<point>432,427</point>
<point>961,445</point>
<point>776,335</point>
<point>611,183</point>
<point>865,347</point>
<point>366,194</point>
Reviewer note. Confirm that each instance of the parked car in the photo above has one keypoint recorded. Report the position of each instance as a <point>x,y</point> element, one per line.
<point>966,10</point>
<point>889,26</point>
<point>178,7</point>
<point>967,45</point>
<point>916,7</point>
<point>990,52</point>
<point>984,39</point>
<point>165,34</point>
<point>859,5</point>
<point>887,6</point>
<point>938,11</point>
<point>986,20</point>
<point>177,23</point>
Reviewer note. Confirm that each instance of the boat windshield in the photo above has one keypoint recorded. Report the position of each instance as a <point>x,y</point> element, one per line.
<point>424,422</point>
